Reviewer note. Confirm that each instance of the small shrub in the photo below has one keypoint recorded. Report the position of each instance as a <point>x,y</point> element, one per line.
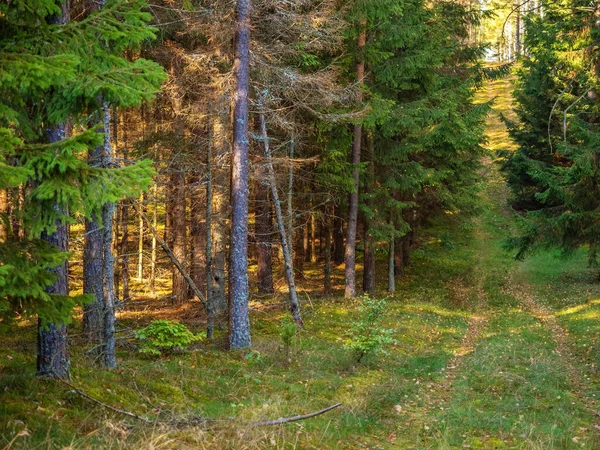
<point>367,334</point>
<point>288,334</point>
<point>164,336</point>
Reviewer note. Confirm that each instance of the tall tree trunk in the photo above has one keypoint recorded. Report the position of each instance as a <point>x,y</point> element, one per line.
<point>210,305</point>
<point>154,225</point>
<point>3,215</point>
<point>290,195</point>
<point>287,257</point>
<point>353,207</point>
<point>398,257</point>
<point>313,230</point>
<point>197,233</point>
<point>391,268</point>
<point>239,322</point>
<point>369,259</point>
<point>327,264</point>
<point>219,215</point>
<point>178,232</point>
<point>263,231</point>
<point>53,359</point>
<point>124,249</point>
<point>338,237</point>
<point>140,262</point>
<point>298,251</point>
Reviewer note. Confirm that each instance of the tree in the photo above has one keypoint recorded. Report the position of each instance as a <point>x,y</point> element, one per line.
<point>58,185</point>
<point>239,323</point>
<point>555,171</point>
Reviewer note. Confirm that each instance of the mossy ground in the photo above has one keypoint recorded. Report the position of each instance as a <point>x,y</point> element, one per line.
<point>489,353</point>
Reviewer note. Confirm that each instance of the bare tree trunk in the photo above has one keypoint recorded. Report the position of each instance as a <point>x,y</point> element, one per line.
<point>369,259</point>
<point>313,250</point>
<point>290,195</point>
<point>220,212</point>
<point>124,249</point>
<point>287,257</point>
<point>391,269</point>
<point>353,207</point>
<point>140,264</point>
<point>197,233</point>
<point>210,306</point>
<point>239,322</point>
<point>3,215</point>
<point>298,251</point>
<point>53,359</point>
<point>398,257</point>
<point>263,231</point>
<point>154,224</point>
<point>178,232</point>
<point>338,237</point>
<point>327,265</point>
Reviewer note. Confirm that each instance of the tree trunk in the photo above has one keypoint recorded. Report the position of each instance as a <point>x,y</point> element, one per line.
<point>287,257</point>
<point>178,235</point>
<point>369,259</point>
<point>197,233</point>
<point>398,258</point>
<point>391,268</point>
<point>124,249</point>
<point>327,264</point>
<point>263,231</point>
<point>53,359</point>
<point>220,212</point>
<point>239,322</point>
<point>154,224</point>
<point>338,237</point>
<point>353,207</point>
<point>140,263</point>
<point>3,215</point>
<point>210,306</point>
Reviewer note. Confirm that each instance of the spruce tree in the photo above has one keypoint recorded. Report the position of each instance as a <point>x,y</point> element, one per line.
<point>50,83</point>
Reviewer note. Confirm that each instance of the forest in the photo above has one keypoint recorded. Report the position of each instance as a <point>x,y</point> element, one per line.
<point>345,224</point>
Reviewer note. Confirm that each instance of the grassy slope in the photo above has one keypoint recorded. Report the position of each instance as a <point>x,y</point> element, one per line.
<point>477,363</point>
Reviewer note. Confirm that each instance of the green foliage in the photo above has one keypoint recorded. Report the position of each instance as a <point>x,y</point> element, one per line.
<point>164,336</point>
<point>56,77</point>
<point>368,336</point>
<point>555,172</point>
<point>288,333</point>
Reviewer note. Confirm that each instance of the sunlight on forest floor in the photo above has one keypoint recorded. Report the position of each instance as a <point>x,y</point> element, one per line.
<point>475,364</point>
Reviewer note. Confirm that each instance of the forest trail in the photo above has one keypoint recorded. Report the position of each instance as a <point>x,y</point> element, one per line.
<point>515,381</point>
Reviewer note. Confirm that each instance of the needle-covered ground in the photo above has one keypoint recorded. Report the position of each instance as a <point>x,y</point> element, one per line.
<point>488,353</point>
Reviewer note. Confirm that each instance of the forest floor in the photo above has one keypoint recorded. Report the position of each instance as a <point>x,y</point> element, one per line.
<point>489,353</point>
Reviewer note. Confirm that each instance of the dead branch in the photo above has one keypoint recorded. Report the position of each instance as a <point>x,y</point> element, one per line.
<point>295,418</point>
<point>107,406</point>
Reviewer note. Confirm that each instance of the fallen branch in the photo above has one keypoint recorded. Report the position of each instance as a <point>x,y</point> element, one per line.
<point>295,418</point>
<point>112,408</point>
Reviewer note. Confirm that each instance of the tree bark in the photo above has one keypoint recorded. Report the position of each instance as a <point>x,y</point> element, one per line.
<point>140,263</point>
<point>287,257</point>
<point>239,321</point>
<point>53,358</point>
<point>178,235</point>
<point>369,258</point>
<point>338,237</point>
<point>3,214</point>
<point>210,306</point>
<point>350,255</point>
<point>197,233</point>
<point>263,232</point>
<point>327,263</point>
<point>154,224</point>
<point>220,211</point>
<point>391,268</point>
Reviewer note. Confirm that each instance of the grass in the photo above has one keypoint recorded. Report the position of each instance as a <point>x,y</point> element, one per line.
<point>489,353</point>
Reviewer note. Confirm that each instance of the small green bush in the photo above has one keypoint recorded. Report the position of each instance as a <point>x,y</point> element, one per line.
<point>288,334</point>
<point>367,334</point>
<point>164,336</point>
